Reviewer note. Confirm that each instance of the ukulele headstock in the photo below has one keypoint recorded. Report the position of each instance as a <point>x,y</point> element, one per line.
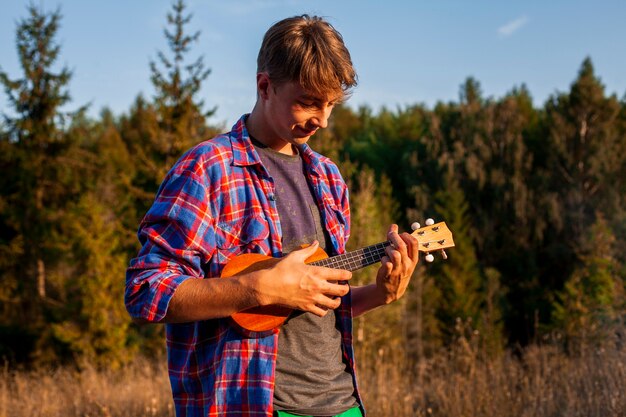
<point>433,237</point>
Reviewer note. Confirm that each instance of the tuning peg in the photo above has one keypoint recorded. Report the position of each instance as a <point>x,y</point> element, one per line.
<point>429,222</point>
<point>415,226</point>
<point>444,255</point>
<point>429,257</point>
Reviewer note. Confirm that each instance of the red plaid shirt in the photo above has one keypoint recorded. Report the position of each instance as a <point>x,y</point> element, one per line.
<point>218,202</point>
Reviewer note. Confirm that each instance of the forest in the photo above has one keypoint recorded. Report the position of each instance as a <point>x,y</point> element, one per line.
<point>534,195</point>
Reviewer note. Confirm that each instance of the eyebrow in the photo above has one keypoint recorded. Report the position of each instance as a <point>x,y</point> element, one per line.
<point>308,96</point>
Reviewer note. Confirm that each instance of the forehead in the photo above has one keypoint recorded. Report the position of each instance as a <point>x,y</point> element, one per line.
<point>323,96</point>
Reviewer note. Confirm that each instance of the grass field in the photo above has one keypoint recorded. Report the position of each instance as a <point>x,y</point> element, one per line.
<point>541,382</point>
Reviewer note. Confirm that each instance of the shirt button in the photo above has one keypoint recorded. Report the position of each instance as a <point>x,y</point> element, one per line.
<point>272,197</point>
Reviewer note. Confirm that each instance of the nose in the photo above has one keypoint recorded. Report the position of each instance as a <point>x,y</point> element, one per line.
<point>320,119</point>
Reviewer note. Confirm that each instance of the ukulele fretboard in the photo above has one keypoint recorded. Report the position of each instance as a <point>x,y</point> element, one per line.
<point>354,260</point>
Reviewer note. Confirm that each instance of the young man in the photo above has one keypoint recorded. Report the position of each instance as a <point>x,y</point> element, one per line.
<point>261,189</point>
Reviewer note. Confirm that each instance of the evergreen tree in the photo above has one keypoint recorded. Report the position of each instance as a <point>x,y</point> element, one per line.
<point>36,196</point>
<point>467,130</point>
<point>391,140</point>
<point>618,220</point>
<point>507,197</point>
<point>140,131</point>
<point>93,324</point>
<point>590,299</point>
<point>158,133</point>
<point>512,208</point>
<point>586,151</point>
<point>372,211</point>
<point>180,115</point>
<point>460,280</point>
<point>584,170</point>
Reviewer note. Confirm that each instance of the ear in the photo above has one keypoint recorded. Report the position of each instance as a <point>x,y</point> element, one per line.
<point>263,84</point>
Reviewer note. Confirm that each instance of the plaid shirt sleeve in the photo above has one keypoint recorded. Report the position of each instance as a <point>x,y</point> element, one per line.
<point>177,237</point>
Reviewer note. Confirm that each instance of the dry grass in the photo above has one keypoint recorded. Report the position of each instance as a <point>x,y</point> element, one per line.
<point>141,390</point>
<point>545,383</point>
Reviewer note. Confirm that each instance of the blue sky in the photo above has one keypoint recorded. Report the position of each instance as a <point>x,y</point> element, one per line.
<point>405,52</point>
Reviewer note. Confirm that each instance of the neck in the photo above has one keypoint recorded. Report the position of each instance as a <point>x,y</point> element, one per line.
<point>259,129</point>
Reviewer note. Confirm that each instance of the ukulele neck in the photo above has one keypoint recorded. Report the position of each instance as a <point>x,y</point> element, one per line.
<point>356,259</point>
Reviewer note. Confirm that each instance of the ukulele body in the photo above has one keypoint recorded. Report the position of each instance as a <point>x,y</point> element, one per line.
<point>262,318</point>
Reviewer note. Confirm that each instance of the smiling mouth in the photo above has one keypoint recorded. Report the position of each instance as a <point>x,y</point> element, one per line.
<point>307,132</point>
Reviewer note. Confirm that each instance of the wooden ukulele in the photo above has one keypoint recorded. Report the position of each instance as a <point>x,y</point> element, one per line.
<point>433,237</point>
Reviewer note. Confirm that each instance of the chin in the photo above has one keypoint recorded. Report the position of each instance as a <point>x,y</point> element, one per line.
<point>299,138</point>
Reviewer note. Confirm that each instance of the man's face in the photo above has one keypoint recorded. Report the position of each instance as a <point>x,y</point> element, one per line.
<point>295,114</point>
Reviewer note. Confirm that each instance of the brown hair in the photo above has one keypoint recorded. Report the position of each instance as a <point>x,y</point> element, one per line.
<point>309,50</point>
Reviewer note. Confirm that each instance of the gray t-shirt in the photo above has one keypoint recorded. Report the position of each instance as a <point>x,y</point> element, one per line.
<point>311,376</point>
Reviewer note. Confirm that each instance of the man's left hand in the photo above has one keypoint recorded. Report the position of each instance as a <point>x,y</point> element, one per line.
<point>398,264</point>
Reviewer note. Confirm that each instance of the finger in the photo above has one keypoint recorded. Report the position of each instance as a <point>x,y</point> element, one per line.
<point>397,243</point>
<point>328,302</point>
<point>318,311</point>
<point>304,253</point>
<point>394,256</point>
<point>386,265</point>
<point>336,290</point>
<point>331,274</point>
<point>412,246</point>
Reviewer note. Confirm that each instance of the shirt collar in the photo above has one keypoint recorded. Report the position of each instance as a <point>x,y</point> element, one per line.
<point>245,154</point>
<point>243,151</point>
<point>312,160</point>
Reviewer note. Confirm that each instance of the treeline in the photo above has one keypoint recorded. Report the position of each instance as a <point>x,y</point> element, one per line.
<point>534,197</point>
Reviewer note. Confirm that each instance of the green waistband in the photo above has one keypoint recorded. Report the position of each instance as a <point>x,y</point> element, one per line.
<point>353,412</point>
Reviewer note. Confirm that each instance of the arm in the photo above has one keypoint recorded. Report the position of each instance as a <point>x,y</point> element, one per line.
<point>157,294</point>
<point>290,282</point>
<point>393,276</point>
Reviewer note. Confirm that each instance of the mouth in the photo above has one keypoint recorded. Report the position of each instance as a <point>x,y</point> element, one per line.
<point>306,132</point>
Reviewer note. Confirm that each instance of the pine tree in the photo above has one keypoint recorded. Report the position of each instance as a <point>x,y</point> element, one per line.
<point>466,151</point>
<point>590,299</point>
<point>585,167</point>
<point>157,133</point>
<point>36,197</point>
<point>512,209</point>
<point>140,131</point>
<point>95,323</point>
<point>92,325</point>
<point>180,115</point>
<point>460,282</point>
<point>372,211</point>
<point>586,151</point>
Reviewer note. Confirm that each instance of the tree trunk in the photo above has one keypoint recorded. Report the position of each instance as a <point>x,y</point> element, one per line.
<point>41,278</point>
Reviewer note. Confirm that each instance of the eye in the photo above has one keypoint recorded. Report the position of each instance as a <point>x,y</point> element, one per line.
<point>307,104</point>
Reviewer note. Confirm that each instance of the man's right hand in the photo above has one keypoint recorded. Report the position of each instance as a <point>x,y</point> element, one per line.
<point>294,284</point>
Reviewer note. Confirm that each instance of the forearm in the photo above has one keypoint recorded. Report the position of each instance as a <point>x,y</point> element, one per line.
<point>366,298</point>
<point>204,299</point>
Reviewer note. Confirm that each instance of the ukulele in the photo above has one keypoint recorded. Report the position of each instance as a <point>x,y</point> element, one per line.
<point>433,237</point>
